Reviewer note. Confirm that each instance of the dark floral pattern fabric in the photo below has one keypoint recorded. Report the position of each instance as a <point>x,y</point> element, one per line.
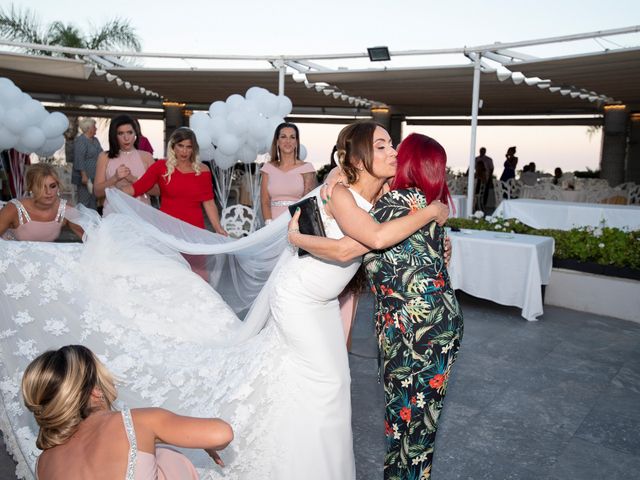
<point>419,327</point>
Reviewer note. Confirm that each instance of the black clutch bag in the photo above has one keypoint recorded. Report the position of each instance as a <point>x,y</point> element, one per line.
<point>310,221</point>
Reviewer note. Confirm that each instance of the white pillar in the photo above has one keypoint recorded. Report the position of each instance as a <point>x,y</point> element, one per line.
<point>281,71</point>
<point>474,127</point>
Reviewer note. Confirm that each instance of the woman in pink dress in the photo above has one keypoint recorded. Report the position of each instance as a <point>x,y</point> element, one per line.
<point>70,393</point>
<point>123,163</point>
<point>286,178</point>
<point>41,216</point>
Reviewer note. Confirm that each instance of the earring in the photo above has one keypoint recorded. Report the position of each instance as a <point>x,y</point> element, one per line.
<point>278,154</point>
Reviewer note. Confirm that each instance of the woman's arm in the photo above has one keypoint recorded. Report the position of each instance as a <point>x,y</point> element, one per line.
<point>146,183</point>
<point>8,218</point>
<point>341,250</point>
<point>100,182</point>
<point>265,198</point>
<point>211,434</point>
<point>212,214</point>
<point>147,159</point>
<point>77,229</point>
<point>310,182</point>
<point>359,225</point>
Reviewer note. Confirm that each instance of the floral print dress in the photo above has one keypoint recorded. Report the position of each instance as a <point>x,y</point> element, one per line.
<point>419,327</point>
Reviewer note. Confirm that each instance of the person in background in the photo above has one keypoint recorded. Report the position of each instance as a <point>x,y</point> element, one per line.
<point>144,144</point>
<point>41,216</point>
<point>71,394</point>
<point>488,165</point>
<point>86,148</point>
<point>285,178</point>
<point>123,163</point>
<point>510,165</point>
<point>557,175</point>
<point>528,176</point>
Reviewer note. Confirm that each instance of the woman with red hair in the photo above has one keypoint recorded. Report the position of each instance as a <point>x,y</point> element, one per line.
<point>418,320</point>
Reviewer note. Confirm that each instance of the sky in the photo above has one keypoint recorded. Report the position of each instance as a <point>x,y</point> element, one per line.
<point>252,27</point>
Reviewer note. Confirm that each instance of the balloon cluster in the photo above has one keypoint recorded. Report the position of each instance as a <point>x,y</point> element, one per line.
<point>241,128</point>
<point>25,124</point>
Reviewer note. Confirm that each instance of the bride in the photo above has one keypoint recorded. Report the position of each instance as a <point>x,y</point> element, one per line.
<point>280,376</point>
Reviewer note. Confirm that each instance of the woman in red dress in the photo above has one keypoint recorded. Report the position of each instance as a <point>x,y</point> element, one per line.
<point>186,184</point>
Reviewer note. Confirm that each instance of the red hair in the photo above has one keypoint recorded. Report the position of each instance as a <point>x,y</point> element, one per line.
<point>422,164</point>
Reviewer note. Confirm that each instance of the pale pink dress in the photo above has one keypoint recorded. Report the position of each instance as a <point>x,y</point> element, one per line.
<point>132,160</point>
<point>30,230</point>
<point>285,188</point>
<point>166,464</point>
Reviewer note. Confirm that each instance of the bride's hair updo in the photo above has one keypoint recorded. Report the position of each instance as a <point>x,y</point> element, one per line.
<point>57,388</point>
<point>355,148</point>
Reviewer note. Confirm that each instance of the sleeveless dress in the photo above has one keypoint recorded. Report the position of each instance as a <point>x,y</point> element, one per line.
<point>137,167</point>
<point>34,231</point>
<point>285,188</point>
<point>166,464</point>
<point>161,330</point>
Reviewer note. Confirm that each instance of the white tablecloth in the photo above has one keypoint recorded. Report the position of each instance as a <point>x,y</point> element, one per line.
<point>568,215</point>
<point>460,203</point>
<point>509,269</point>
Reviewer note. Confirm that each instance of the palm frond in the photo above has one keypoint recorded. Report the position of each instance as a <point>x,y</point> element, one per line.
<point>65,36</point>
<point>113,34</point>
<point>22,26</point>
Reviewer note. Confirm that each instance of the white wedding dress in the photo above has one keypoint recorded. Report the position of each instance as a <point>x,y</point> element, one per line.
<point>280,376</point>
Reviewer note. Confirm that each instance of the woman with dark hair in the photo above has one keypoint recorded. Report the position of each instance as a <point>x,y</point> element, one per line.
<point>71,394</point>
<point>123,163</point>
<point>285,178</point>
<point>185,183</point>
<point>418,319</point>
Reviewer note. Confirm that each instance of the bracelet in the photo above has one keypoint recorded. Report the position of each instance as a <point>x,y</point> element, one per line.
<point>293,230</point>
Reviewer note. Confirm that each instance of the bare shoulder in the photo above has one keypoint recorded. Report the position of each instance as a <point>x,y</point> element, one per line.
<point>146,157</point>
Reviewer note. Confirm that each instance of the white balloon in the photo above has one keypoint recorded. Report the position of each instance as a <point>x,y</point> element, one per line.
<point>258,127</point>
<point>15,120</point>
<point>1,114</point>
<point>51,146</point>
<point>217,127</point>
<point>34,111</point>
<point>9,94</point>
<point>302,154</point>
<point>206,154</point>
<point>54,124</point>
<point>268,105</point>
<point>218,108</point>
<point>32,139</point>
<point>247,153</point>
<point>235,101</point>
<point>199,121</point>
<point>203,137</point>
<point>254,93</point>
<point>8,139</point>
<point>228,144</point>
<point>237,122</point>
<point>223,161</point>
<point>284,106</point>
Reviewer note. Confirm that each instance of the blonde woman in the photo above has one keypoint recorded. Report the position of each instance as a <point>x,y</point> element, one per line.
<point>71,393</point>
<point>40,216</point>
<point>186,184</point>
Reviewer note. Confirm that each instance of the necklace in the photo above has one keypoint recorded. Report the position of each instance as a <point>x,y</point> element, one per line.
<point>127,152</point>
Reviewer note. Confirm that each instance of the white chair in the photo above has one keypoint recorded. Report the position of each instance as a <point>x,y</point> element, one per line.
<point>633,195</point>
<point>512,188</point>
<point>237,220</point>
<point>498,191</point>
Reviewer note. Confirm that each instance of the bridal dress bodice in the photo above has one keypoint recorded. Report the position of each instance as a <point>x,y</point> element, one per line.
<point>281,381</point>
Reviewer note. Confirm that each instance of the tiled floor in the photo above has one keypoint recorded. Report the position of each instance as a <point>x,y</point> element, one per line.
<point>557,399</point>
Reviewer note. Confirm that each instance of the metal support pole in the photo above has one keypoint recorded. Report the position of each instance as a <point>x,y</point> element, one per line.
<point>281,71</point>
<point>474,127</point>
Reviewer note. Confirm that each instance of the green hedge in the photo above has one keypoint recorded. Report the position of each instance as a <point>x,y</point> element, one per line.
<point>602,245</point>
